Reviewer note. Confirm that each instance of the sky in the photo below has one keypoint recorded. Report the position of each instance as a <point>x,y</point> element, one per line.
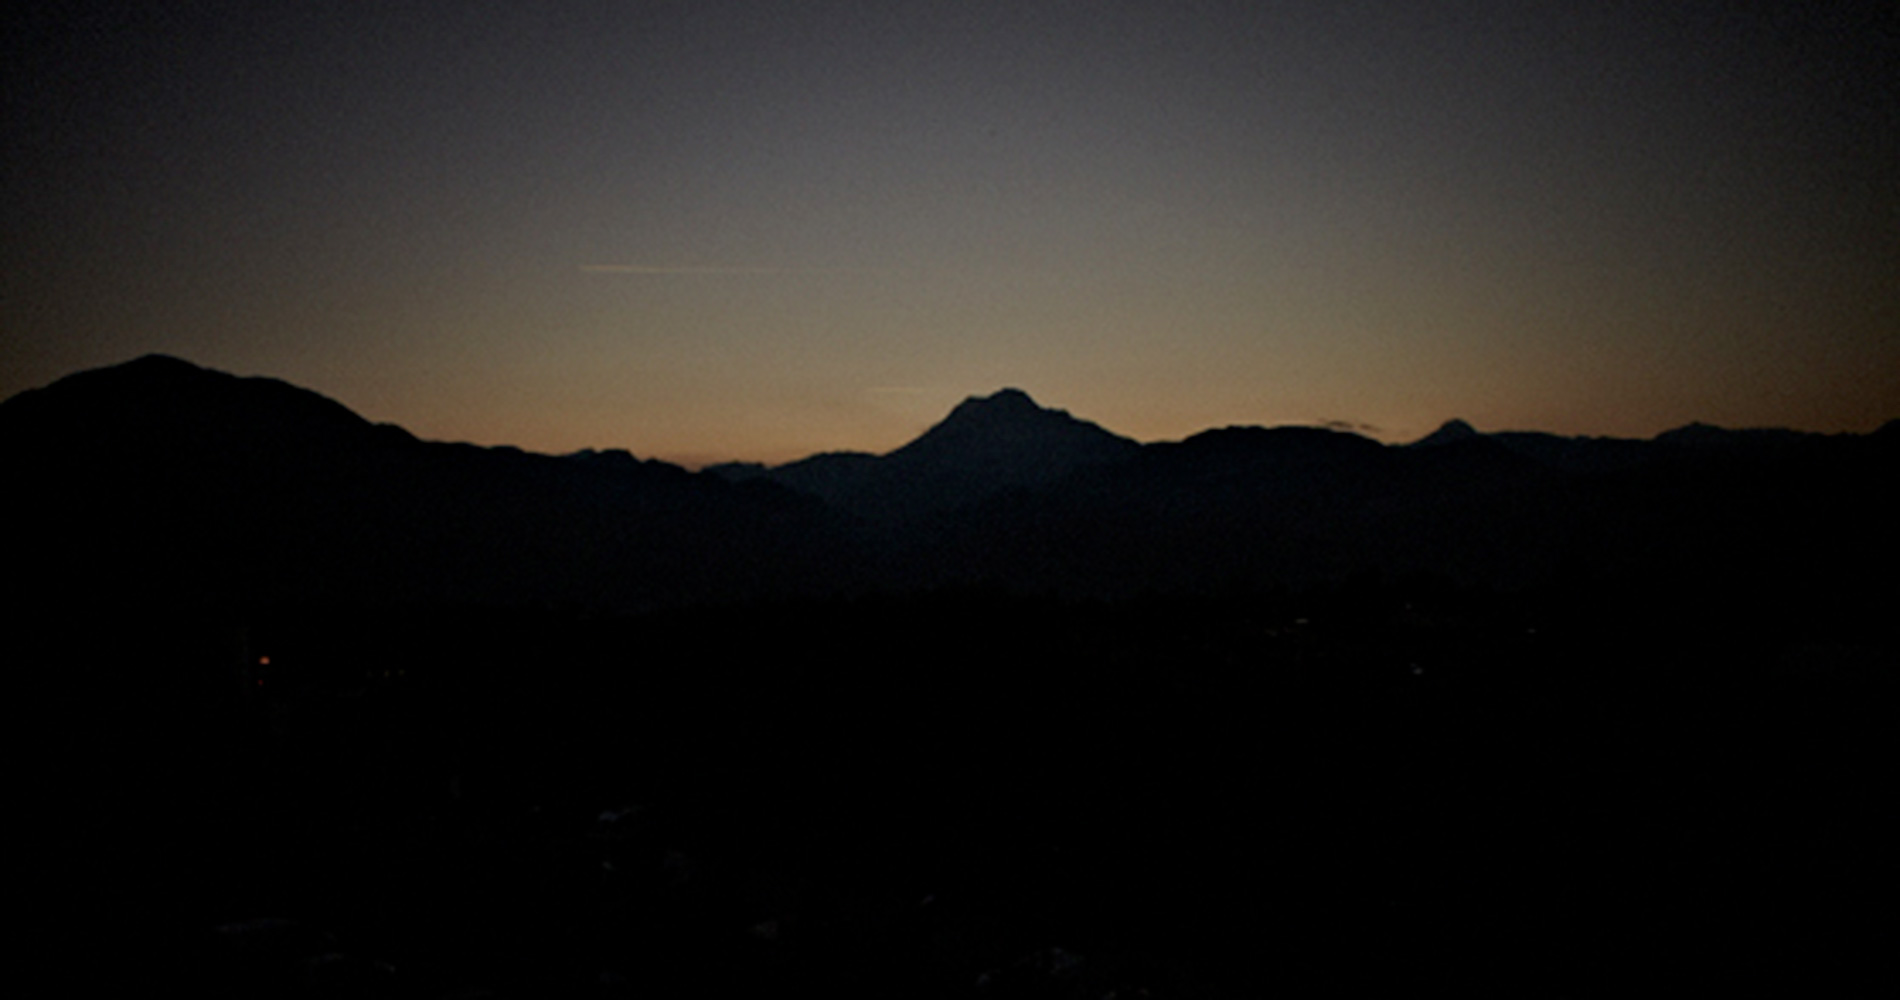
<point>714,230</point>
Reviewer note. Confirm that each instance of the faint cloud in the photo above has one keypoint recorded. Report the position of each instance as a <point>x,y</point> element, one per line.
<point>1350,426</point>
<point>714,269</point>
<point>899,390</point>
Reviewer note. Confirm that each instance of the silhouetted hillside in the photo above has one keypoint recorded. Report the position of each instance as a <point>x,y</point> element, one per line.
<point>1449,432</point>
<point>987,445</point>
<point>317,708</point>
<point>1006,440</point>
<point>161,478</point>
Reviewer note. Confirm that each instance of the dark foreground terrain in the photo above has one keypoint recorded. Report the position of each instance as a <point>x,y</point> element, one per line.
<point>964,794</point>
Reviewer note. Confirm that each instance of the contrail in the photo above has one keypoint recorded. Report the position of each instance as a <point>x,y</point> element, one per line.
<point>715,269</point>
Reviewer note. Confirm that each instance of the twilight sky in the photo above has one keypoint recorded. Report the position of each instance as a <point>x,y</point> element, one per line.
<point>712,230</point>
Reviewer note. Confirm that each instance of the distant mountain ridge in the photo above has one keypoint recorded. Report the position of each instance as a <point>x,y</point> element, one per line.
<point>986,445</point>
<point>1009,435</point>
<point>160,477</point>
<point>1450,432</point>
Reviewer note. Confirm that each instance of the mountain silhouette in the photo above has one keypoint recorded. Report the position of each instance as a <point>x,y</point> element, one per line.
<point>1010,440</point>
<point>1450,432</point>
<point>158,477</point>
<point>162,402</point>
<point>985,446</point>
<point>312,693</point>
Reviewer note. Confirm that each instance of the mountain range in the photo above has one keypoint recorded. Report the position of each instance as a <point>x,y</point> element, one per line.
<point>1022,708</point>
<point>160,479</point>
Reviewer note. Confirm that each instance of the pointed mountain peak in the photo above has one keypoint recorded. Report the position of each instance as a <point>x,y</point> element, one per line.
<point>1003,402</point>
<point>1450,431</point>
<point>1011,435</point>
<point>1008,419</point>
<point>1696,432</point>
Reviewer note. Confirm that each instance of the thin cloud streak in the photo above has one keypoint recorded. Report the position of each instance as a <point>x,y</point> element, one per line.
<point>716,269</point>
